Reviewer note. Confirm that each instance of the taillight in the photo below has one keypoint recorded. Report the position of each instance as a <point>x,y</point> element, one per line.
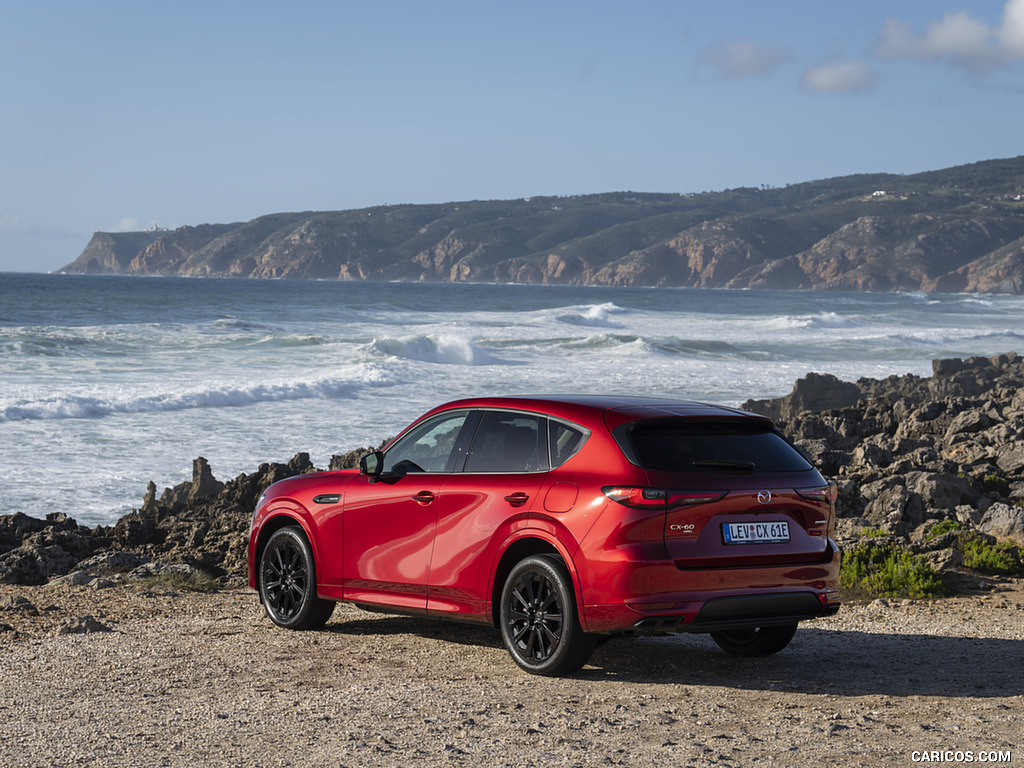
<point>659,498</point>
<point>823,494</point>
<point>638,498</point>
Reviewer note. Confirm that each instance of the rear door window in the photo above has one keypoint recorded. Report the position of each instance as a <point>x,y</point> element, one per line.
<point>680,445</point>
<point>507,441</point>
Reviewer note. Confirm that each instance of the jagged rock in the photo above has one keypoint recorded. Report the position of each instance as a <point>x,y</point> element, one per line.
<point>14,528</point>
<point>968,515</point>
<point>1010,459</point>
<point>939,491</point>
<point>18,604</point>
<point>1004,522</point>
<point>350,459</point>
<point>202,524</point>
<point>871,453</point>
<point>895,509</point>
<point>203,485</point>
<point>945,559</point>
<point>51,549</point>
<point>968,421</point>
<point>102,570</point>
<point>814,392</point>
<point>81,625</point>
<point>149,570</point>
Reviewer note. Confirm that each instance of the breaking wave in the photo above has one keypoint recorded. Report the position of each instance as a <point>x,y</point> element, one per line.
<point>595,316</point>
<point>125,401</point>
<point>446,349</point>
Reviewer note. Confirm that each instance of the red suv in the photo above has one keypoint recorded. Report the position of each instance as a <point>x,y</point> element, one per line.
<point>561,519</point>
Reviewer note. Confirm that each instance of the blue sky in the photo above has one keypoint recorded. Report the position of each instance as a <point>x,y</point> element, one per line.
<point>118,115</point>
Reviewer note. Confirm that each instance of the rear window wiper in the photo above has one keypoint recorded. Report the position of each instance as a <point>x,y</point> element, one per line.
<point>730,464</point>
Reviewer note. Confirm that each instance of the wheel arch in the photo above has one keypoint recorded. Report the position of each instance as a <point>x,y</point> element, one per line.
<point>278,519</point>
<point>522,547</point>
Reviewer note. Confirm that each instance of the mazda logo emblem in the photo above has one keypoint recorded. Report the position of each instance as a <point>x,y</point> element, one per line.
<point>763,497</point>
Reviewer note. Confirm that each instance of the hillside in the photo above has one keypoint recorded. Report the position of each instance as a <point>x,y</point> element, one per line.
<point>954,230</point>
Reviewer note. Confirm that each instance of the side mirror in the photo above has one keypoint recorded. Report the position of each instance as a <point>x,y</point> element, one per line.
<point>372,464</point>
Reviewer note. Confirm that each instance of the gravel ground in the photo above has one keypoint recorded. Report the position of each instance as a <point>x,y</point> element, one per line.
<point>185,679</point>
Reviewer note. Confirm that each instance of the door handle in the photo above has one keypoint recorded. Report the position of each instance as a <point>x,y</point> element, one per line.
<point>423,497</point>
<point>517,499</point>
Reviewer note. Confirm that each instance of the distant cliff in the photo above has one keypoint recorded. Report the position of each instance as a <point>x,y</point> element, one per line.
<point>956,230</point>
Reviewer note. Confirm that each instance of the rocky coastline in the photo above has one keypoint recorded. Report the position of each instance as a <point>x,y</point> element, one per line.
<point>102,666</point>
<point>909,454</point>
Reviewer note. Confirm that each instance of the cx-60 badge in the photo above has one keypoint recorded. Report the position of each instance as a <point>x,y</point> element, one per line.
<point>763,497</point>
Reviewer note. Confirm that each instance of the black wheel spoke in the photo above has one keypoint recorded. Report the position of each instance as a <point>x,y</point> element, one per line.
<point>285,579</point>
<point>534,648</point>
<point>524,603</point>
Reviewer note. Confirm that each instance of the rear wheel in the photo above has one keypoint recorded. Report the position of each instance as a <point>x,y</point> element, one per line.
<point>539,622</point>
<point>755,641</point>
<point>288,582</point>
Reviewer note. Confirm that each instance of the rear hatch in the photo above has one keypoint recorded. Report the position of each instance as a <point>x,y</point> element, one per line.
<point>736,492</point>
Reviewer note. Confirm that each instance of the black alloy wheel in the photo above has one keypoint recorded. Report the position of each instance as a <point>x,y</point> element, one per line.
<point>287,582</point>
<point>539,622</point>
<point>755,641</point>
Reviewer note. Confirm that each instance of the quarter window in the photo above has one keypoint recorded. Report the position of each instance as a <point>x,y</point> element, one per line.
<point>565,441</point>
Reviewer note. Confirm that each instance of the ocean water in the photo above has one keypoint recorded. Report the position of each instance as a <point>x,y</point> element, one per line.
<point>107,383</point>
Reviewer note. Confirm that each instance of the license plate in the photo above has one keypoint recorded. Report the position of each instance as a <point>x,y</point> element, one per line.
<point>755,533</point>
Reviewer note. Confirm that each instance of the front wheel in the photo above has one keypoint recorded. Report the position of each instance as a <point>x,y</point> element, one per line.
<point>538,617</point>
<point>755,641</point>
<point>288,582</point>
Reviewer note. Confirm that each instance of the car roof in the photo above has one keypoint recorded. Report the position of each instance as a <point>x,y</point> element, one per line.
<point>614,408</point>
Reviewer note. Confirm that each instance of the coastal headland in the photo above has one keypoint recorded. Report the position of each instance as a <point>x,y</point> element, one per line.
<point>954,230</point>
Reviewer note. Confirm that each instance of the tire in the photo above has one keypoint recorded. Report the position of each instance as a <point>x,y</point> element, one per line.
<point>539,622</point>
<point>755,641</point>
<point>288,582</point>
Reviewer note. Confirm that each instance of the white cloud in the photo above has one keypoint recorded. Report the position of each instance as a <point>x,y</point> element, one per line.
<point>7,221</point>
<point>967,42</point>
<point>1011,33</point>
<point>839,77</point>
<point>744,58</point>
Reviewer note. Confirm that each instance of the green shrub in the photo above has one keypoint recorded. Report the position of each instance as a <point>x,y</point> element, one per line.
<point>944,527</point>
<point>888,571</point>
<point>1001,558</point>
<point>873,533</point>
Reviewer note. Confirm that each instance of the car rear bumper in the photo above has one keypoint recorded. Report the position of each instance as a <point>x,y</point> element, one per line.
<point>738,612</point>
<point>659,597</point>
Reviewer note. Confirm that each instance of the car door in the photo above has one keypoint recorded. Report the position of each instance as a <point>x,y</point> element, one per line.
<point>389,522</point>
<point>480,506</point>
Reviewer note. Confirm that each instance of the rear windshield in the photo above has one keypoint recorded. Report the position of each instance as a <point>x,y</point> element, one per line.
<point>681,445</point>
